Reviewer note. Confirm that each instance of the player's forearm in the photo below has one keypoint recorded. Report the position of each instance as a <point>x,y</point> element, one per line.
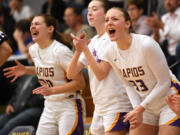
<point>72,86</point>
<point>99,70</point>
<point>160,72</point>
<point>73,70</point>
<point>30,70</point>
<point>134,97</point>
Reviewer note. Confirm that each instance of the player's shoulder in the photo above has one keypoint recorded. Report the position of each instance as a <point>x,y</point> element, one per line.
<point>33,47</point>
<point>59,48</point>
<point>143,41</point>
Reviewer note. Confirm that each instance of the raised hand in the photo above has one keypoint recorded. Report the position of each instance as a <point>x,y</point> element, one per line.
<point>154,22</point>
<point>135,117</point>
<point>173,102</point>
<point>15,71</point>
<point>80,42</point>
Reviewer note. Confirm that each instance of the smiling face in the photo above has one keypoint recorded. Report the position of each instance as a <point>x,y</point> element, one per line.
<point>96,13</point>
<point>116,24</point>
<point>39,29</point>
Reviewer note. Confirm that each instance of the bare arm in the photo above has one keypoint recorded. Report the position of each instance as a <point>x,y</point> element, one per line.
<point>18,70</point>
<point>74,67</point>
<point>100,69</point>
<point>76,84</point>
<point>5,52</point>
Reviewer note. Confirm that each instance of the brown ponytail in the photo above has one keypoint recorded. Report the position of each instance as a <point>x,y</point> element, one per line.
<point>63,38</point>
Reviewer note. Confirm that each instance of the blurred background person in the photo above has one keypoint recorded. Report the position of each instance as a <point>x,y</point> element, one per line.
<point>20,11</point>
<point>74,20</point>
<point>166,31</point>
<point>22,36</point>
<point>24,108</point>
<point>56,9</point>
<point>135,10</point>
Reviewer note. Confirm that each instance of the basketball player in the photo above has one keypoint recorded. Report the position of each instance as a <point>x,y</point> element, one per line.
<point>64,109</point>
<point>138,61</point>
<point>109,97</point>
<point>5,49</point>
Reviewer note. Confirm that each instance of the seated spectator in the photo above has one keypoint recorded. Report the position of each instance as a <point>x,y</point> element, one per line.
<point>73,18</point>
<point>20,11</point>
<point>167,30</point>
<point>56,9</point>
<point>24,108</point>
<point>22,36</point>
<point>135,10</point>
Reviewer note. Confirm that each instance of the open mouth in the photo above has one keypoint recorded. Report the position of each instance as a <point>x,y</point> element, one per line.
<point>112,32</point>
<point>35,33</point>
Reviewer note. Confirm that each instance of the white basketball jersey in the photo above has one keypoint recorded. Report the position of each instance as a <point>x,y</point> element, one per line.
<point>51,64</point>
<point>134,66</point>
<point>108,95</point>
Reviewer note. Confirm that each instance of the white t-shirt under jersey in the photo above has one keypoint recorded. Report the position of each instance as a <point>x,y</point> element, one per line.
<point>108,95</point>
<point>144,65</point>
<point>51,64</point>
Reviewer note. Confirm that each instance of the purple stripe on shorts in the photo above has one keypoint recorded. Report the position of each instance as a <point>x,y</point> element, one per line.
<point>176,85</point>
<point>120,125</point>
<point>176,123</point>
<point>79,130</point>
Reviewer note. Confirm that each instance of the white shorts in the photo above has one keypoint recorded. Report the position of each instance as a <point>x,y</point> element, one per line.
<point>163,116</point>
<point>62,118</point>
<point>108,123</point>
